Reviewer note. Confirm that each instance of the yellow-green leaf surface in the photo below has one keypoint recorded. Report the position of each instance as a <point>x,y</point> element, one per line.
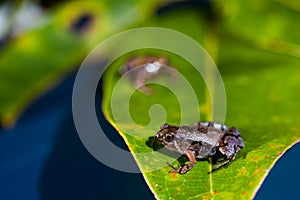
<point>262,98</point>
<point>34,61</point>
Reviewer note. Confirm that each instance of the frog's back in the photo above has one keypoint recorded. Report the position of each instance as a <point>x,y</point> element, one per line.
<point>204,137</point>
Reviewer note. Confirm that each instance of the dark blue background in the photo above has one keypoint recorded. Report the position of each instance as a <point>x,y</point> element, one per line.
<point>43,158</point>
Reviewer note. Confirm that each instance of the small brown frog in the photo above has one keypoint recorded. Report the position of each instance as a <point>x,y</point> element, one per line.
<point>201,140</point>
<point>144,69</point>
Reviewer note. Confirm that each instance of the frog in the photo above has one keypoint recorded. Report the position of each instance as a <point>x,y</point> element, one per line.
<point>201,140</point>
<point>145,68</point>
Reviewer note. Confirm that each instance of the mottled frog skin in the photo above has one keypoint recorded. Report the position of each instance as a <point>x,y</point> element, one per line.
<point>201,140</point>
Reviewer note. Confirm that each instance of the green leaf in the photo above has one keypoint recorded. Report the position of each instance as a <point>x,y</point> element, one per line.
<point>35,61</point>
<point>267,24</point>
<point>262,99</point>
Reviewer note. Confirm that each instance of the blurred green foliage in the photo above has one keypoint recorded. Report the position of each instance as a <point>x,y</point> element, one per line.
<point>36,60</point>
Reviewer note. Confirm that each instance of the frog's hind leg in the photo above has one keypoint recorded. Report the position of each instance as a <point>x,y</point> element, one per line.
<point>224,162</point>
<point>187,167</point>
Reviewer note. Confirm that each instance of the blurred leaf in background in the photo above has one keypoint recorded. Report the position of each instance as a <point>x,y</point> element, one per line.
<point>34,60</point>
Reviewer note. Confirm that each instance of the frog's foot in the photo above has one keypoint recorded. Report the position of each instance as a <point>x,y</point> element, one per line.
<point>140,85</point>
<point>181,169</point>
<point>146,90</point>
<point>175,169</point>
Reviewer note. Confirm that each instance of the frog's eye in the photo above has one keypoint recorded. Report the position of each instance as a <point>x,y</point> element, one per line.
<point>169,137</point>
<point>159,135</point>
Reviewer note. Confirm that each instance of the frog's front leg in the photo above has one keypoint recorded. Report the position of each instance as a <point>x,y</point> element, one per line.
<point>187,167</point>
<point>140,82</point>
